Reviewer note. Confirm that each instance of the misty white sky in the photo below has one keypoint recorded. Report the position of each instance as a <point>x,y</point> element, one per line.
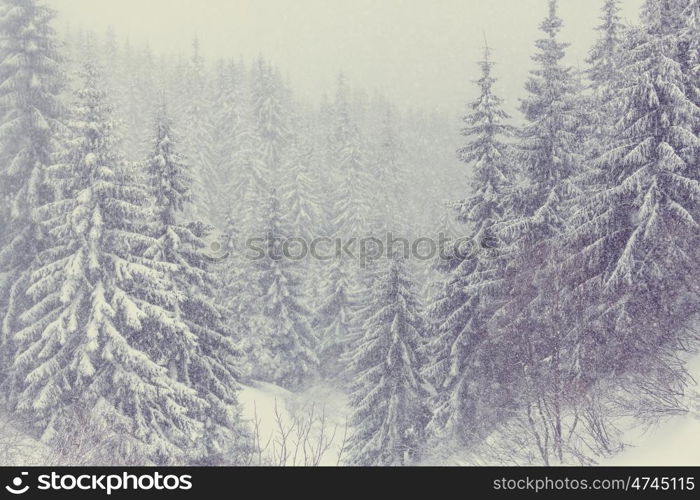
<point>420,53</point>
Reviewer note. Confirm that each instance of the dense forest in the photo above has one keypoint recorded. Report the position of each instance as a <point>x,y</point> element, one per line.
<point>175,228</point>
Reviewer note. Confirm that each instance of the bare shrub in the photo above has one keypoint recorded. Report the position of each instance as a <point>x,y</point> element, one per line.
<point>305,438</point>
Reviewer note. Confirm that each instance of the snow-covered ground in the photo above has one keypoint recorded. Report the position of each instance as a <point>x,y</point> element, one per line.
<point>674,441</point>
<point>17,449</point>
<point>310,429</point>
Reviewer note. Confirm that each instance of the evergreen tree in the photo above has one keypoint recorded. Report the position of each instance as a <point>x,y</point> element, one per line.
<point>270,112</point>
<point>353,193</point>
<point>227,118</point>
<point>30,116</point>
<point>688,13</point>
<point>389,189</point>
<point>249,185</point>
<point>542,351</point>
<point>463,357</point>
<point>388,395</point>
<point>548,148</point>
<point>289,345</point>
<point>550,153</point>
<point>300,191</point>
<point>203,355</point>
<point>335,320</point>
<point>635,239</point>
<point>239,295</point>
<point>129,109</point>
<point>198,136</point>
<point>604,58</point>
<point>605,65</point>
<point>110,61</point>
<point>97,303</point>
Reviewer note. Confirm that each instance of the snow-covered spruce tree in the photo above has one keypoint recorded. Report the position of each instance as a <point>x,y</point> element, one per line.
<point>606,81</point>
<point>300,195</point>
<point>300,190</point>
<point>351,215</point>
<point>543,308</point>
<point>550,154</point>
<point>389,188</point>
<point>635,240</point>
<point>249,185</point>
<point>198,136</point>
<point>487,129</point>
<point>605,55</point>
<point>239,294</point>
<point>246,193</point>
<point>270,112</point>
<point>464,360</point>
<point>321,134</point>
<point>287,354</point>
<point>605,75</point>
<point>109,59</point>
<point>204,355</point>
<point>227,117</point>
<point>335,320</point>
<point>130,101</point>
<point>388,395</point>
<point>31,79</point>
<point>96,302</point>
<point>351,208</point>
<point>548,149</point>
<point>689,48</point>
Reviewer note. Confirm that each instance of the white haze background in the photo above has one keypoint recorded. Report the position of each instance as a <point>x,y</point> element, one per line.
<point>419,53</point>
